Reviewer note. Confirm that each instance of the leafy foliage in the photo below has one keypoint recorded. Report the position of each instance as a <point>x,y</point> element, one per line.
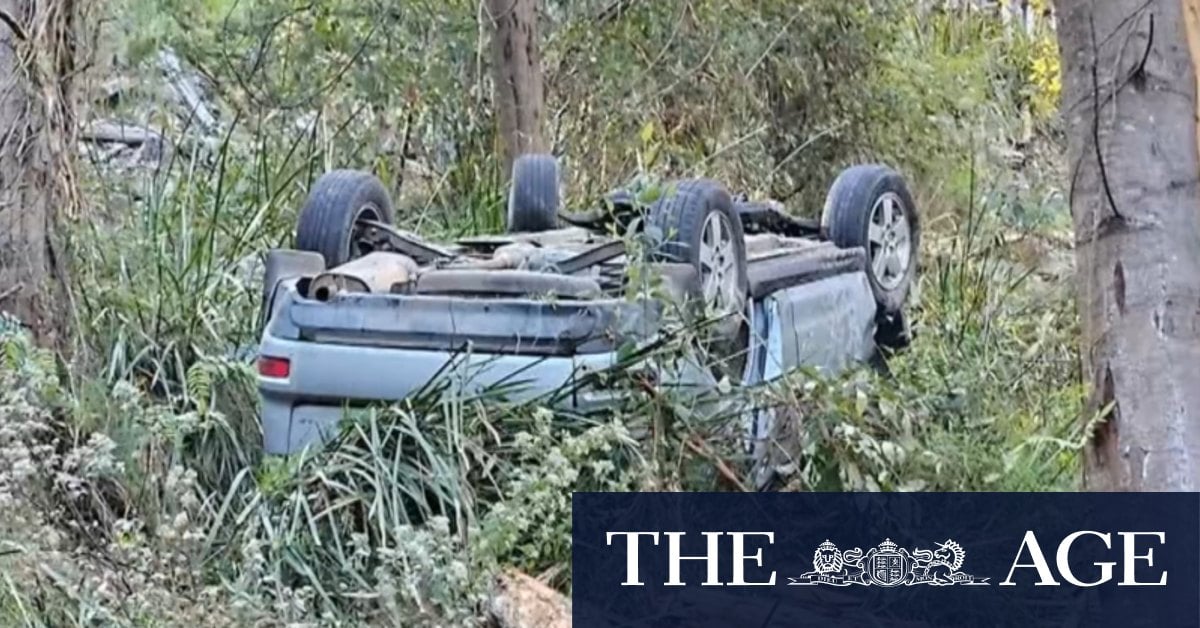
<point>146,456</point>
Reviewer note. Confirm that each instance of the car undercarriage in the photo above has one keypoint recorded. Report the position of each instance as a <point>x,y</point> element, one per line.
<point>361,311</point>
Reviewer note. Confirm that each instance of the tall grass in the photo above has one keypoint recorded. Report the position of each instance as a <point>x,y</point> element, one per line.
<point>148,465</point>
<point>169,294</point>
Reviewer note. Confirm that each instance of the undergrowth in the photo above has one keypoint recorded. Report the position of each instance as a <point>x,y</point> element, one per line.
<point>133,491</point>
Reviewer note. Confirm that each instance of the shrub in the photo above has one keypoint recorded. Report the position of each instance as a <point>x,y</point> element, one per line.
<point>132,492</point>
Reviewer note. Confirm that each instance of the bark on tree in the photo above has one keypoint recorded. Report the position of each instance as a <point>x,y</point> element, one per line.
<point>37,127</point>
<point>517,75</point>
<point>1130,103</point>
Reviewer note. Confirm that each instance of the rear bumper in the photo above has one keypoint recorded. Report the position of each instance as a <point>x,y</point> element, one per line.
<point>369,348</point>
<point>305,408</point>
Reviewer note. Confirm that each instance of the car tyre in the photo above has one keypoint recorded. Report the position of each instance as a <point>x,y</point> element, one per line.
<point>534,197</point>
<point>338,200</point>
<point>871,207</point>
<point>697,225</point>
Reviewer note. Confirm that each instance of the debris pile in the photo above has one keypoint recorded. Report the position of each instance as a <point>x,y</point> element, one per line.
<point>127,144</point>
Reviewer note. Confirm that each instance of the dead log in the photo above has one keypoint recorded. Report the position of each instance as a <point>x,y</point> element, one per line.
<point>186,88</point>
<point>118,132</point>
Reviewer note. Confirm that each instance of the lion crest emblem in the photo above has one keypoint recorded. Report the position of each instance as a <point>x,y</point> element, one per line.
<point>888,565</point>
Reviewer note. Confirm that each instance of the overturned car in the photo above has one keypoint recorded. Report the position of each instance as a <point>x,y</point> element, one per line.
<point>361,311</point>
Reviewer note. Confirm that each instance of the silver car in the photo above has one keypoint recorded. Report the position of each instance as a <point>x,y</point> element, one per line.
<point>360,311</point>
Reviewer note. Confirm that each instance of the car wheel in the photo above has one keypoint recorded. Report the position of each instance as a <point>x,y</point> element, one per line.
<point>699,227</point>
<point>534,198</point>
<point>871,207</point>
<point>338,200</point>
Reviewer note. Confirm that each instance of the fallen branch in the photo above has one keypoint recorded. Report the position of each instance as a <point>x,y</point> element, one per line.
<point>614,11</point>
<point>118,133</point>
<point>11,291</point>
<point>186,90</point>
<point>723,469</point>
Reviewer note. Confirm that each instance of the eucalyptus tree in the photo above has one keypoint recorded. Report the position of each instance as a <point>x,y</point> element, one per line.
<point>1130,105</point>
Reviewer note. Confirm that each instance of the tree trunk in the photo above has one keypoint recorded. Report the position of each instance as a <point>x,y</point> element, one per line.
<point>1130,89</point>
<point>36,129</point>
<point>517,74</point>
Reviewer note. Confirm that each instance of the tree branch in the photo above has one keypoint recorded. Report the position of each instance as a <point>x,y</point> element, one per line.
<point>11,291</point>
<point>13,25</point>
<point>613,11</point>
<point>1108,193</point>
<point>1141,68</point>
